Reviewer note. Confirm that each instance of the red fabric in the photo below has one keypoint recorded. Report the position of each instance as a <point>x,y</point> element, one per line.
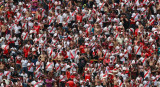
<point>79,18</point>
<point>1,23</point>
<point>18,61</point>
<point>9,14</point>
<point>136,32</point>
<point>106,61</point>
<point>130,56</point>
<point>70,83</point>
<point>66,57</point>
<point>82,49</point>
<point>26,50</point>
<point>87,76</point>
<point>93,53</point>
<point>37,28</point>
<point>145,47</point>
<point>64,53</point>
<point>6,51</point>
<point>132,19</point>
<point>111,47</point>
<point>39,18</point>
<point>72,76</point>
<point>156,37</point>
<point>68,74</point>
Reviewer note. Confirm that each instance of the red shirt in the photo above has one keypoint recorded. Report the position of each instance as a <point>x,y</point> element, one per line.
<point>71,83</point>
<point>72,76</point>
<point>9,14</point>
<point>132,21</point>
<point>136,32</point>
<point>68,74</point>
<point>106,61</point>
<point>64,53</point>
<point>82,49</point>
<point>87,76</point>
<point>18,61</point>
<point>79,18</point>
<point>6,51</point>
<point>25,52</point>
<point>37,28</point>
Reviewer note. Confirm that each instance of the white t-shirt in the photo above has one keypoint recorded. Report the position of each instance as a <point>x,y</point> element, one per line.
<point>24,35</point>
<point>64,67</point>
<point>122,58</point>
<point>106,29</point>
<point>137,51</point>
<point>58,3</point>
<point>8,74</point>
<point>49,66</point>
<point>62,78</point>
<point>1,75</point>
<point>25,76</point>
<point>24,62</point>
<point>57,66</point>
<point>30,67</point>
<point>39,65</point>
<point>60,19</point>
<point>146,83</point>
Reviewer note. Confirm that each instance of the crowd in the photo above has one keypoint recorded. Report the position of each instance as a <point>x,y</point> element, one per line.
<point>79,43</point>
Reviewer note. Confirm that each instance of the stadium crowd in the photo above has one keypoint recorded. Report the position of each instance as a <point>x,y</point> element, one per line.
<point>79,43</point>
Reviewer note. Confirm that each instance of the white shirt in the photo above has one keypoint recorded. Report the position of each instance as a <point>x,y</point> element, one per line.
<point>122,58</point>
<point>24,62</point>
<point>106,29</point>
<point>136,50</point>
<point>1,75</point>
<point>49,66</point>
<point>64,67</point>
<point>38,66</point>
<point>24,35</point>
<point>57,66</point>
<point>25,76</point>
<point>57,3</point>
<point>62,78</point>
<point>34,83</point>
<point>8,74</point>
<point>30,67</point>
<point>146,83</point>
<point>60,19</point>
<point>147,74</point>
